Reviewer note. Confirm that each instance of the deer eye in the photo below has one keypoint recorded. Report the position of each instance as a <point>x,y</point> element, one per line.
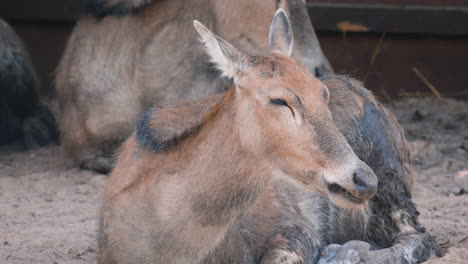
<point>278,102</point>
<point>282,102</point>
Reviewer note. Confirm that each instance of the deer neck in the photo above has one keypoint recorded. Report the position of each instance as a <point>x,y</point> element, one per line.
<point>218,178</point>
<point>215,184</point>
<point>225,178</point>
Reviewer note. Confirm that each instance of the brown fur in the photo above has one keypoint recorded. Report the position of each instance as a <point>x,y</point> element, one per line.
<point>115,67</point>
<point>227,190</point>
<point>390,222</point>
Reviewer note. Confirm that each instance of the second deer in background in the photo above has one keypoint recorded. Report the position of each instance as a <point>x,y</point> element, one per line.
<point>126,56</point>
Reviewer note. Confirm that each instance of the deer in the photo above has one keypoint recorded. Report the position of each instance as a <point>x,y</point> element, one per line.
<point>384,230</point>
<point>25,118</point>
<point>114,66</point>
<point>226,189</point>
<point>389,224</point>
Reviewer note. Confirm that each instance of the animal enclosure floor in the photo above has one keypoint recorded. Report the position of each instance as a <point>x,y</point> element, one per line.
<point>48,209</point>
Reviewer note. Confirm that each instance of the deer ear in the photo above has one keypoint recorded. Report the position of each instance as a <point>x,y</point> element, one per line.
<point>223,54</point>
<point>163,129</point>
<point>281,38</point>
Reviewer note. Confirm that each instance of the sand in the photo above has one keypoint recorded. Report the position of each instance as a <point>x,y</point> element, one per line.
<point>48,208</point>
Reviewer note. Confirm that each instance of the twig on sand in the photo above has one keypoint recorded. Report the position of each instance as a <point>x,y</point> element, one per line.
<point>426,82</point>
<point>463,239</point>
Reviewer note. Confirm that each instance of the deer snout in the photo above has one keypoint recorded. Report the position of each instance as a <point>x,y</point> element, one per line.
<point>365,182</point>
<point>353,187</point>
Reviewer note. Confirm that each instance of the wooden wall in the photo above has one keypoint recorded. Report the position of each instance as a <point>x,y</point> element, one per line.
<point>391,43</point>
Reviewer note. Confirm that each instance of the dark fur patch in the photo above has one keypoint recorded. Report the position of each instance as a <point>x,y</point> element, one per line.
<point>161,139</point>
<point>100,8</point>
<point>22,116</point>
<point>147,136</point>
<point>375,128</point>
<point>18,95</point>
<point>40,128</point>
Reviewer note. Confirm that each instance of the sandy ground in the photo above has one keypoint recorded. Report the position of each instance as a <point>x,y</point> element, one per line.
<point>48,208</point>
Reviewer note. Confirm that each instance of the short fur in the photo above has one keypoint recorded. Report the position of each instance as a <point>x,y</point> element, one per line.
<point>115,67</point>
<point>389,224</point>
<point>228,187</point>
<point>22,115</point>
<point>282,222</point>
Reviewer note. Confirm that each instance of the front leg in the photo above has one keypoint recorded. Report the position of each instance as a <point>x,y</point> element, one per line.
<point>408,249</point>
<point>291,245</point>
<point>393,226</point>
<point>351,252</point>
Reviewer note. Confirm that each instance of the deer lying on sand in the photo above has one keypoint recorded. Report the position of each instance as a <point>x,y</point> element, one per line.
<point>22,116</point>
<point>260,174</point>
<point>125,56</point>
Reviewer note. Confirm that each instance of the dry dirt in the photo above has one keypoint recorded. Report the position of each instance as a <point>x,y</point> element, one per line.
<point>48,208</point>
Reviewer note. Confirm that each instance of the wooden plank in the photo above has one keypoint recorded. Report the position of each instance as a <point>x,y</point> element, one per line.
<point>441,20</point>
<point>326,15</point>
<point>43,10</point>
<point>386,65</point>
<point>396,2</point>
<point>383,64</point>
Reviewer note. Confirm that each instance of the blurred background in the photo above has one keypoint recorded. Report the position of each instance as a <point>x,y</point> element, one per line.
<point>399,48</point>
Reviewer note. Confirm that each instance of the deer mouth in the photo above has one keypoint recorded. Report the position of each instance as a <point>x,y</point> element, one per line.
<point>338,190</point>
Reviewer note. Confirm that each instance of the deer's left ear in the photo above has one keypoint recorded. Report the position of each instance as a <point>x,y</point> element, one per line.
<point>281,37</point>
<point>227,58</point>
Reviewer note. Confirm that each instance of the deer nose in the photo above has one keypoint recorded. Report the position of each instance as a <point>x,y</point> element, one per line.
<point>365,182</point>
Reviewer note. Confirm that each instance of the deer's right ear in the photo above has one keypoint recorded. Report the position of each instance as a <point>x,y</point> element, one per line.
<point>226,57</point>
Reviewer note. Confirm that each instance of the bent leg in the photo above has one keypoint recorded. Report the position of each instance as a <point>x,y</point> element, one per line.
<point>91,136</point>
<point>411,248</point>
<point>291,245</point>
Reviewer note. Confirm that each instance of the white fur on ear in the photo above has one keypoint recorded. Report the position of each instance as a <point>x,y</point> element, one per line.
<point>224,55</point>
<point>281,36</point>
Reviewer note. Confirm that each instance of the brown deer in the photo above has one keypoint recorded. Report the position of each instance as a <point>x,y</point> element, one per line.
<point>23,117</point>
<point>389,222</point>
<point>226,189</point>
<point>125,56</point>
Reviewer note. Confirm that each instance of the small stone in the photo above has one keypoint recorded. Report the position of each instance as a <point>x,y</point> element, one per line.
<point>450,126</point>
<point>417,116</point>
<point>464,145</point>
<point>5,243</point>
<point>460,192</point>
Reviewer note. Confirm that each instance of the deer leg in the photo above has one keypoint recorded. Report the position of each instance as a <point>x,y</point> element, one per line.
<point>291,245</point>
<point>409,248</point>
<point>351,252</point>
<point>394,225</point>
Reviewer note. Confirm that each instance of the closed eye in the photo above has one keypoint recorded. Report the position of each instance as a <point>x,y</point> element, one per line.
<point>281,102</point>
